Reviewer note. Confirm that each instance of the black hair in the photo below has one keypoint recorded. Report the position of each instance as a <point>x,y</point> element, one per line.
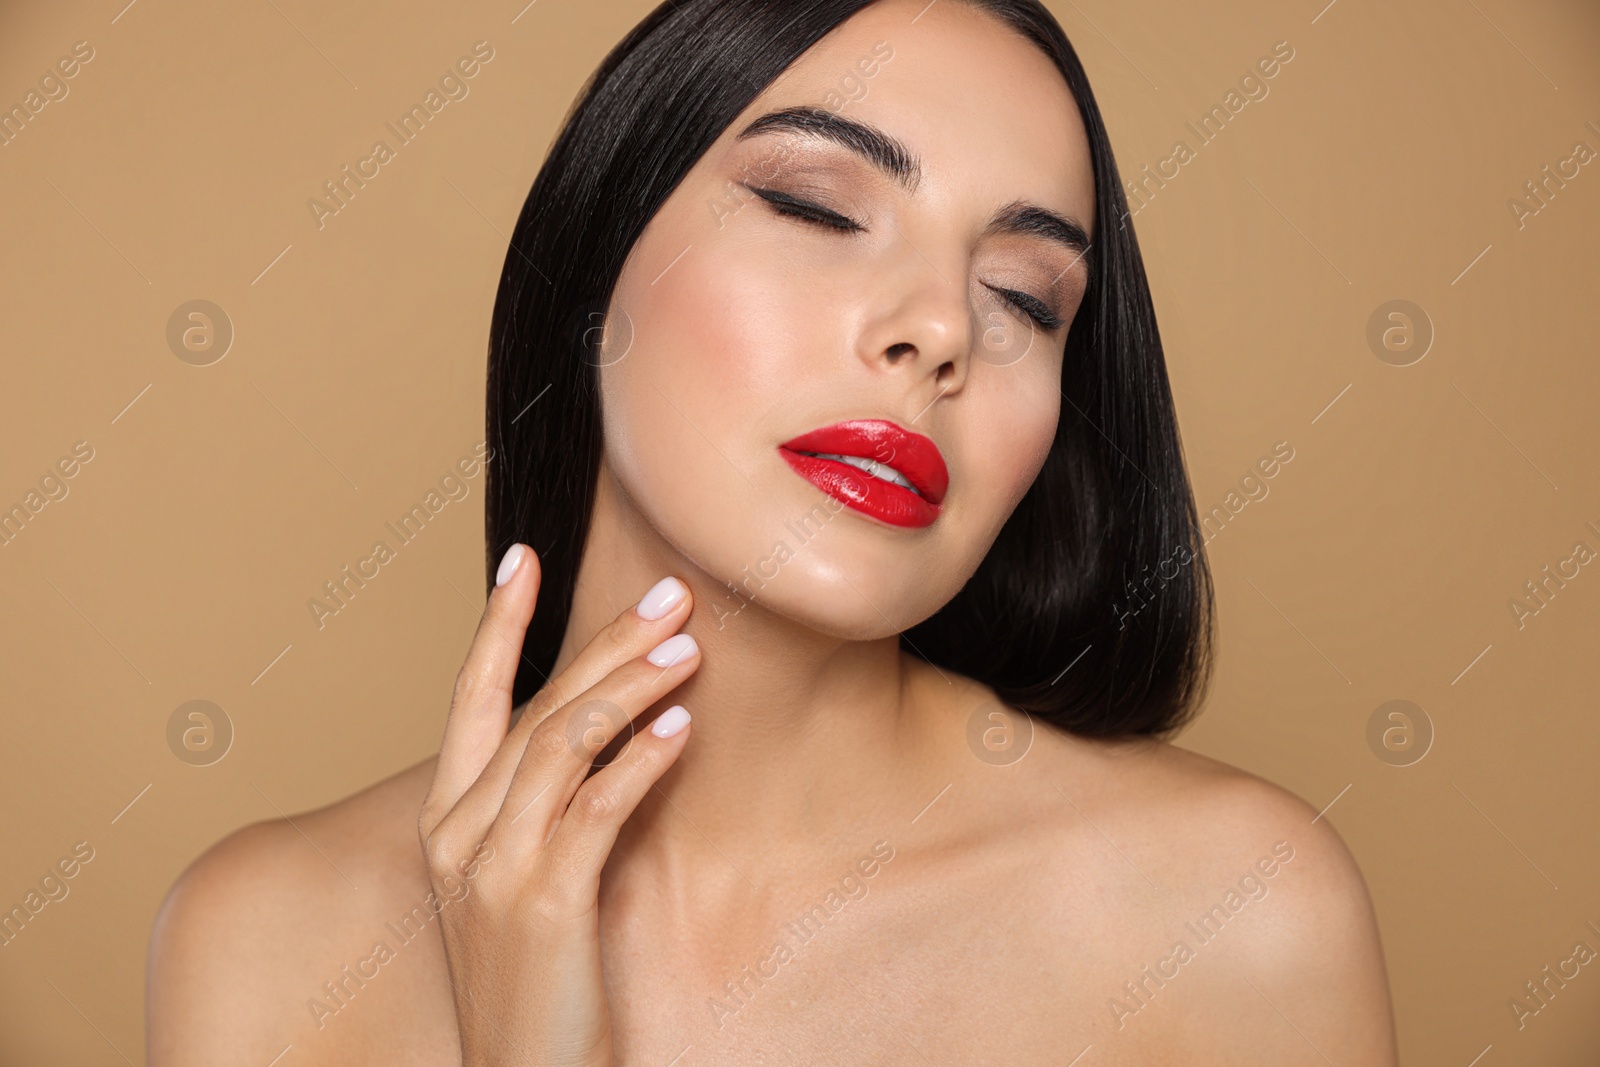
<point>1072,616</point>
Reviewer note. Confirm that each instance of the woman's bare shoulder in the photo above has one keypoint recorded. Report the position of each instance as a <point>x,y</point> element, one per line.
<point>243,937</point>
<point>1242,862</point>
<point>1195,806</point>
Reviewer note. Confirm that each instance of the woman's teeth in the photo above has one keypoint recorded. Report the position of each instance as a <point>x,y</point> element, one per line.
<point>871,466</point>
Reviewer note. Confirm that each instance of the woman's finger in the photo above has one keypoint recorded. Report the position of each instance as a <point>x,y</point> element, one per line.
<point>577,852</point>
<point>560,750</point>
<point>657,615</point>
<point>480,708</point>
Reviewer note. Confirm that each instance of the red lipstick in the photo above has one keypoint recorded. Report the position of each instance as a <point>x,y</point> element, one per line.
<point>885,456</point>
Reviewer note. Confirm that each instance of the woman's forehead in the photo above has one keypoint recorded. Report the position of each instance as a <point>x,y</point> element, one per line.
<point>979,106</point>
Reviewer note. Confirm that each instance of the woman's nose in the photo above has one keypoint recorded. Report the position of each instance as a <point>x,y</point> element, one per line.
<point>924,325</point>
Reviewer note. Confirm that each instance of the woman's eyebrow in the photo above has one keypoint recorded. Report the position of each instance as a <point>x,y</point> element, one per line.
<point>1030,220</point>
<point>871,143</point>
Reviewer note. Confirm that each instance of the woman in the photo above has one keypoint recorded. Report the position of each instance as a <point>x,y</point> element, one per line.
<point>807,286</point>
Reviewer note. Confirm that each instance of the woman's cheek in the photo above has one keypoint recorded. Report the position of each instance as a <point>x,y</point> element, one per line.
<point>1034,406</point>
<point>1041,429</point>
<point>1019,433</point>
<point>684,409</point>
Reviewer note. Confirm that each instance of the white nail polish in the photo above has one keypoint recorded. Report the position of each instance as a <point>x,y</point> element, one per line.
<point>674,649</point>
<point>662,598</point>
<point>508,564</point>
<point>671,721</point>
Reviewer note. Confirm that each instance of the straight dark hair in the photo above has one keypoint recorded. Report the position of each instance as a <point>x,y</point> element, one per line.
<point>1093,609</point>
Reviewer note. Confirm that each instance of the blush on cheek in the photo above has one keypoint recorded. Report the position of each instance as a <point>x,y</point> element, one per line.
<point>744,348</point>
<point>679,406</point>
<point>713,323</point>
<point>1023,449</point>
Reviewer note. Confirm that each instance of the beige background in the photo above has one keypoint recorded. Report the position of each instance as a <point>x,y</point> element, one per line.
<point>1379,567</point>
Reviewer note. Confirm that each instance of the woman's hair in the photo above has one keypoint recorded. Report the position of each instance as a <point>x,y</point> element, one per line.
<point>1093,609</point>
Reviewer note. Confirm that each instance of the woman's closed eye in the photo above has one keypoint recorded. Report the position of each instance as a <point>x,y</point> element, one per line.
<point>1030,306</point>
<point>784,204</point>
<point>794,207</point>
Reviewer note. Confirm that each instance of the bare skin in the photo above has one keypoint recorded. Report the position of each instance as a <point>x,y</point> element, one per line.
<point>1003,913</point>
<point>825,866</point>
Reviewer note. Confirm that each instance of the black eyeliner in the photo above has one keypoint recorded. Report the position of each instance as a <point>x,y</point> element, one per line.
<point>805,209</point>
<point>1031,306</point>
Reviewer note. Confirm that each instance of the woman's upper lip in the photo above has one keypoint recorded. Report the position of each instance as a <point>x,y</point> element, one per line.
<point>913,455</point>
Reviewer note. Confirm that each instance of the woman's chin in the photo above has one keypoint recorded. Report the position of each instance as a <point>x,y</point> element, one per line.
<point>858,600</point>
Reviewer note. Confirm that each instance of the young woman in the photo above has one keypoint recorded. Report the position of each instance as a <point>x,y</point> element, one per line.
<point>826,406</point>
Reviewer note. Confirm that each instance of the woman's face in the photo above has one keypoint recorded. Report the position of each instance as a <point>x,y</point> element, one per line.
<point>806,274</point>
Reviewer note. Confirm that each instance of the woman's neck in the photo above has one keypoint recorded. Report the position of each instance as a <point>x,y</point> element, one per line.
<point>803,745</point>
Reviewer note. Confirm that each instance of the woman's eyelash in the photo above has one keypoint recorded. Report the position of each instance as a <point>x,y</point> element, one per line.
<point>784,204</point>
<point>1032,307</point>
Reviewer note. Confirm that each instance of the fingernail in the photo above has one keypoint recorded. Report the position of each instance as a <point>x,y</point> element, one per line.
<point>671,721</point>
<point>662,598</point>
<point>674,649</point>
<point>508,564</point>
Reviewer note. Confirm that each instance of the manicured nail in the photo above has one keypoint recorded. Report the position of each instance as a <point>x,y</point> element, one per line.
<point>674,649</point>
<point>508,564</point>
<point>662,598</point>
<point>671,721</point>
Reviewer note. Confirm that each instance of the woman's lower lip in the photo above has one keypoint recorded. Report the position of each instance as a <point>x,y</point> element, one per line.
<point>855,488</point>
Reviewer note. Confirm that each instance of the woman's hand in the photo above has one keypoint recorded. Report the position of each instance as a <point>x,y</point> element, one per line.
<point>510,809</point>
